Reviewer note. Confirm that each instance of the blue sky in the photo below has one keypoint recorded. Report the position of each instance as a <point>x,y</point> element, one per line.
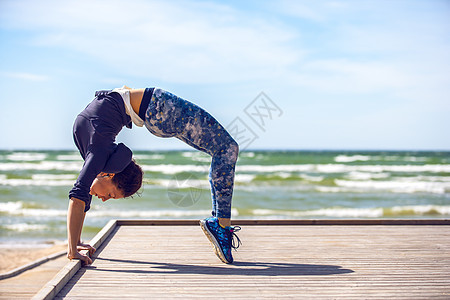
<point>344,74</point>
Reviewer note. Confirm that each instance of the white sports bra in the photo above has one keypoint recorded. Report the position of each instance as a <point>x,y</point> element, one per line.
<point>125,93</point>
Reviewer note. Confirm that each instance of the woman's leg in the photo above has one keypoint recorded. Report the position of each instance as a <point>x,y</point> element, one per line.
<point>172,116</point>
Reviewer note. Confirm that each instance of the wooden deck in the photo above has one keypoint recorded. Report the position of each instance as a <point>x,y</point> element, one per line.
<point>301,260</point>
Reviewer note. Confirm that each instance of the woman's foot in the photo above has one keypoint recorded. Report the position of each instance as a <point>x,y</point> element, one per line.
<point>221,238</point>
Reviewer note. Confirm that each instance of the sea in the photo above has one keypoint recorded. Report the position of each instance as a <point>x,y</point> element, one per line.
<point>34,188</point>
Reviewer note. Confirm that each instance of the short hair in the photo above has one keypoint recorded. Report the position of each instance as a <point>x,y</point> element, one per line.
<point>129,181</point>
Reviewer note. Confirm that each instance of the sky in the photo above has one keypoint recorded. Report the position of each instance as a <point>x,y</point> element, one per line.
<point>323,75</point>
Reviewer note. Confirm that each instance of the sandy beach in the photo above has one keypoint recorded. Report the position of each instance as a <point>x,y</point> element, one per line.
<point>16,257</point>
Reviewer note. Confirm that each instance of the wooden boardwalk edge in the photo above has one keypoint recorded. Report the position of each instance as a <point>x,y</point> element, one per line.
<point>255,222</point>
<point>54,286</point>
<point>32,265</point>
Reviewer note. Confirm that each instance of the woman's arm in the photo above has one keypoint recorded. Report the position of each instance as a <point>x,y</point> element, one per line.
<point>83,246</point>
<point>75,219</point>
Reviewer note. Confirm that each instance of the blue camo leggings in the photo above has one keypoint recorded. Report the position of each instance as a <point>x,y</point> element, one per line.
<point>170,116</point>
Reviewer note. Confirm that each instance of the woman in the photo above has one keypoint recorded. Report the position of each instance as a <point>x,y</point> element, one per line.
<point>110,172</point>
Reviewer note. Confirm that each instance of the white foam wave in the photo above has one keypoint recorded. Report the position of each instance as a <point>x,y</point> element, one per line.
<point>399,186</point>
<point>148,213</point>
<point>75,157</point>
<point>247,154</point>
<point>283,174</point>
<point>42,166</point>
<point>244,178</point>
<point>153,213</point>
<point>325,212</point>
<point>184,183</point>
<point>352,158</point>
<point>22,227</point>
<point>366,175</point>
<point>331,189</point>
<point>35,182</point>
<point>433,178</point>
<point>194,182</point>
<point>26,156</point>
<point>16,208</point>
<point>35,212</point>
<point>422,209</point>
<point>174,169</point>
<point>9,207</point>
<point>53,176</point>
<point>341,212</point>
<point>197,156</point>
<point>341,168</point>
<point>149,156</point>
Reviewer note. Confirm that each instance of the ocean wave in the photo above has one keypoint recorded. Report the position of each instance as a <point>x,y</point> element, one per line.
<point>26,156</point>
<point>244,178</point>
<point>341,168</point>
<point>149,156</point>
<point>19,209</point>
<point>366,175</point>
<point>42,166</point>
<point>54,176</point>
<point>194,182</point>
<point>342,158</point>
<point>418,210</point>
<point>342,212</point>
<point>171,169</point>
<point>352,158</point>
<point>152,213</point>
<point>399,186</point>
<point>40,180</point>
<point>247,154</point>
<point>197,156</point>
<point>312,178</point>
<point>75,157</point>
<point>325,212</point>
<point>9,207</point>
<point>180,183</point>
<point>176,168</point>
<point>35,182</point>
<point>22,227</point>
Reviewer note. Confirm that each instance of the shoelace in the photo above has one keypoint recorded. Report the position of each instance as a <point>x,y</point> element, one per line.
<point>234,237</point>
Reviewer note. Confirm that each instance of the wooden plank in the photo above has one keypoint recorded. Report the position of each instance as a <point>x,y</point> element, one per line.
<point>289,261</point>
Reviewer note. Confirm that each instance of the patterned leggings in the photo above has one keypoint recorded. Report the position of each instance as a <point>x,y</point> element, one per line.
<point>170,116</point>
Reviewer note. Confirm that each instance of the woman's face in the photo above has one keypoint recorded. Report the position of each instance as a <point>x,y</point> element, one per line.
<point>104,188</point>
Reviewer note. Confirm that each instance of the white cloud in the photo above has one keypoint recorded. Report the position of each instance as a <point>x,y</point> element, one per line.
<point>176,41</point>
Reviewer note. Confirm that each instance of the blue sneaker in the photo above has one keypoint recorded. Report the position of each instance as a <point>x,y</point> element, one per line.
<point>221,238</point>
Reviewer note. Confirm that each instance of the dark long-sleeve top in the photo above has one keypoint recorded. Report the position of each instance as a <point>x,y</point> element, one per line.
<point>94,131</point>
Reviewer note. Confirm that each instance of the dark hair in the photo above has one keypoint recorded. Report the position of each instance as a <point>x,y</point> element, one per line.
<point>129,181</point>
